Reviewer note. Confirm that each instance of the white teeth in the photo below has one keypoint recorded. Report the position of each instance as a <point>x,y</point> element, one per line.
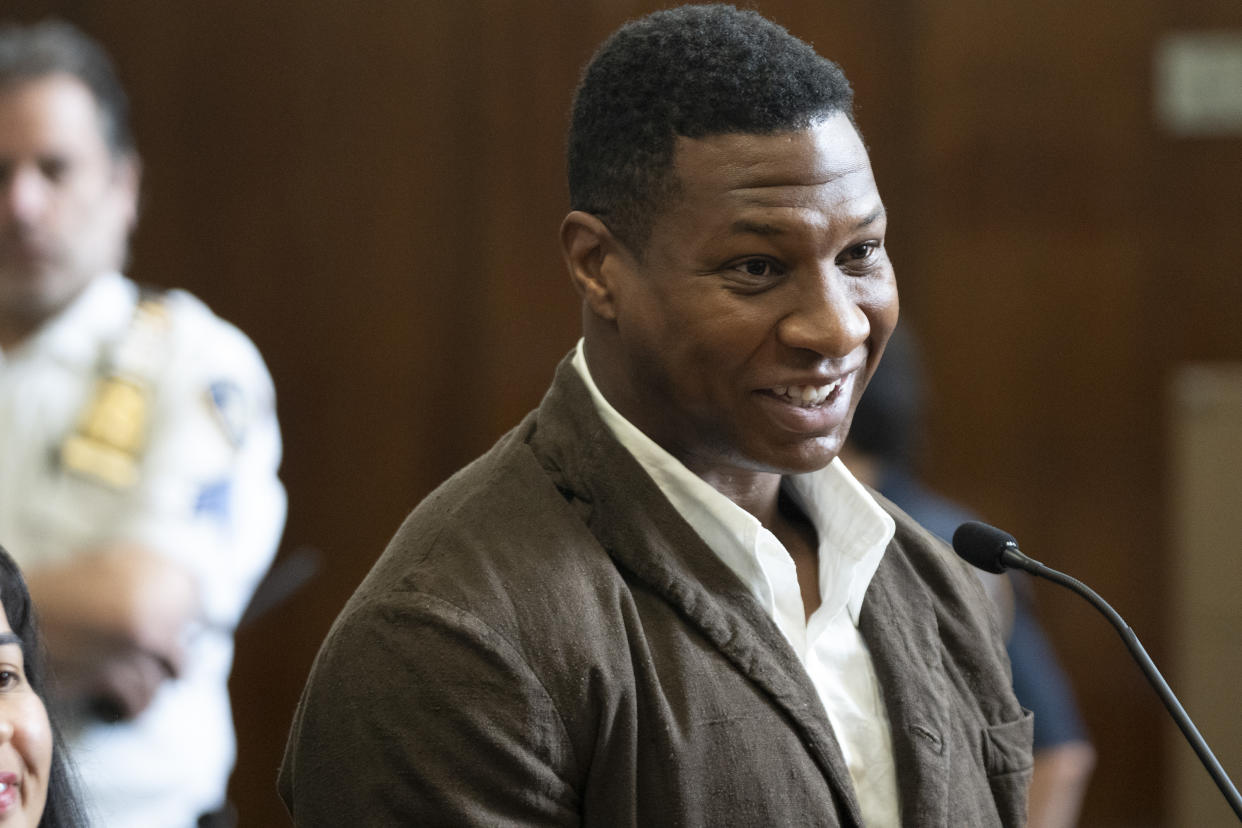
<point>3,787</point>
<point>807,395</point>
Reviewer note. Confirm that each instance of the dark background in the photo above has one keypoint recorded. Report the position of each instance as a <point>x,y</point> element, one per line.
<point>372,190</point>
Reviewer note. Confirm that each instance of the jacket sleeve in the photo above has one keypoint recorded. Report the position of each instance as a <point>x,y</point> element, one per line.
<point>417,713</point>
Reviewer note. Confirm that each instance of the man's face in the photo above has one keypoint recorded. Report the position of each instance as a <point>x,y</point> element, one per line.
<point>66,202</point>
<point>750,326</point>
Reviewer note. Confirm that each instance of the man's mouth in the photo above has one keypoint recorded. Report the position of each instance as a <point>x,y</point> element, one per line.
<point>23,251</point>
<point>807,396</point>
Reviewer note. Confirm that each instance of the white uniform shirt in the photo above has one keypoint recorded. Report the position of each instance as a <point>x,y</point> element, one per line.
<point>853,533</point>
<point>205,493</point>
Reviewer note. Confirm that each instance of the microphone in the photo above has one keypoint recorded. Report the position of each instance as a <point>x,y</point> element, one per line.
<point>987,547</point>
<point>993,550</point>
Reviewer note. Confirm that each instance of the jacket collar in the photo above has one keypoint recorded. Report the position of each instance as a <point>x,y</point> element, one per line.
<point>644,535</point>
<point>899,624</point>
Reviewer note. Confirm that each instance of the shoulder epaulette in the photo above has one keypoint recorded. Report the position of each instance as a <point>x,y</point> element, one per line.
<point>110,435</point>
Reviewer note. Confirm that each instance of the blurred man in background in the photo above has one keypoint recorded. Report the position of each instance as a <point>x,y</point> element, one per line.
<point>138,449</point>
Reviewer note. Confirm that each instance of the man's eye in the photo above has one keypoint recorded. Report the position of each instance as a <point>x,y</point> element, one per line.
<point>758,268</point>
<point>862,252</point>
<point>53,169</point>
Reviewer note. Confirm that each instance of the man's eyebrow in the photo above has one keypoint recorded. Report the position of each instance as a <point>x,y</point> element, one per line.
<point>760,228</point>
<point>874,216</point>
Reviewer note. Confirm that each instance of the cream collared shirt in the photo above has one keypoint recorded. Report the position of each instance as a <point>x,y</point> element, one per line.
<point>853,532</point>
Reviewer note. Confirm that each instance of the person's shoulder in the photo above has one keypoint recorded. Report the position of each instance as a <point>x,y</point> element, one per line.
<point>933,562</point>
<point>201,369</point>
<point>968,625</point>
<point>500,512</point>
<point>502,543</point>
<point>202,357</point>
<point>914,539</point>
<point>199,333</point>
<point>930,509</point>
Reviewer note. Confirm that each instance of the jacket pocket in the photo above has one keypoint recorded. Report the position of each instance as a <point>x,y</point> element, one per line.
<point>1008,761</point>
<point>1007,746</point>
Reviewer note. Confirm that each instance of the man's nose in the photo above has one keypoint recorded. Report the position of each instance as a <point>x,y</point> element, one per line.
<point>24,194</point>
<point>827,317</point>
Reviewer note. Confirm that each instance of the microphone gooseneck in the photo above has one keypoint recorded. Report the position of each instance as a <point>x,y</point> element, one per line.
<point>993,550</point>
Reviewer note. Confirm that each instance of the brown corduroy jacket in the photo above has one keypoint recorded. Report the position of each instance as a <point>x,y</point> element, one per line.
<point>546,642</point>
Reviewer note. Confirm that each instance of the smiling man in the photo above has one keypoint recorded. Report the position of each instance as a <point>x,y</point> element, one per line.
<point>661,599</point>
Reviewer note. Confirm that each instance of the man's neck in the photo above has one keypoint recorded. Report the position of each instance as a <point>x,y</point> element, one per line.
<point>756,492</point>
<point>761,495</point>
<point>15,329</point>
<point>19,323</point>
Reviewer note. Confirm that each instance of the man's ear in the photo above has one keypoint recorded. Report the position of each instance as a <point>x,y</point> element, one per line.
<point>127,178</point>
<point>593,256</point>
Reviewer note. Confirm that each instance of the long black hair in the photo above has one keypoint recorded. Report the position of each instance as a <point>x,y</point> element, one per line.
<point>63,809</point>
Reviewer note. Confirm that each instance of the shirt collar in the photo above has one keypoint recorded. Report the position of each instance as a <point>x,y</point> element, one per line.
<point>853,529</point>
<point>853,532</point>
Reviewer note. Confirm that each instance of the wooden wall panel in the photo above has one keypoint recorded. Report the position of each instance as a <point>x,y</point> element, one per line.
<point>1035,150</point>
<point>372,191</point>
<point>1058,293</point>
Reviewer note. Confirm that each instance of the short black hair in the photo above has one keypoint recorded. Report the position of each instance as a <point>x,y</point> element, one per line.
<point>52,47</point>
<point>692,71</point>
<point>63,807</point>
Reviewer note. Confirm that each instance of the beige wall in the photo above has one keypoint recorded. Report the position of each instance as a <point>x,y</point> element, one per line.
<point>372,191</point>
<point>1205,670</point>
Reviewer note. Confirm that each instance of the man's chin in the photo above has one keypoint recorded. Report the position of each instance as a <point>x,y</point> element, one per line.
<point>803,457</point>
<point>36,293</point>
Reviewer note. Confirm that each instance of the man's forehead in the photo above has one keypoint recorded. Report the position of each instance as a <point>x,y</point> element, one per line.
<point>57,111</point>
<point>57,83</point>
<point>818,154</point>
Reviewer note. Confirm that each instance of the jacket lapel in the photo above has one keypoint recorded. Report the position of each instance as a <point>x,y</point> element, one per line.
<point>644,534</point>
<point>898,622</point>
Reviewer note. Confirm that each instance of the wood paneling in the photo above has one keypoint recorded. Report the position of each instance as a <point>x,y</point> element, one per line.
<point>372,191</point>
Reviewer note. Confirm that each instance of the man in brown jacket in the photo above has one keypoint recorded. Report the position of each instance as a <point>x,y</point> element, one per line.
<point>661,599</point>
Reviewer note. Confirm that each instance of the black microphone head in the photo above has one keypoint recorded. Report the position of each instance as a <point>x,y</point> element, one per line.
<point>983,545</point>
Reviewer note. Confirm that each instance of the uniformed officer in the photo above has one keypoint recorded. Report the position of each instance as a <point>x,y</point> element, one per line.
<point>138,448</point>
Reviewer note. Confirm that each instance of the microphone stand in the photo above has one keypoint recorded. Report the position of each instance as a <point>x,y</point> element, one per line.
<point>1012,557</point>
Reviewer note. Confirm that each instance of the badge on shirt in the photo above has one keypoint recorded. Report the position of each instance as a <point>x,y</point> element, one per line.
<point>111,434</point>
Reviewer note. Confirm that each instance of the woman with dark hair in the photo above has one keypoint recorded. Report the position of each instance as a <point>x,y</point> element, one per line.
<point>35,784</point>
